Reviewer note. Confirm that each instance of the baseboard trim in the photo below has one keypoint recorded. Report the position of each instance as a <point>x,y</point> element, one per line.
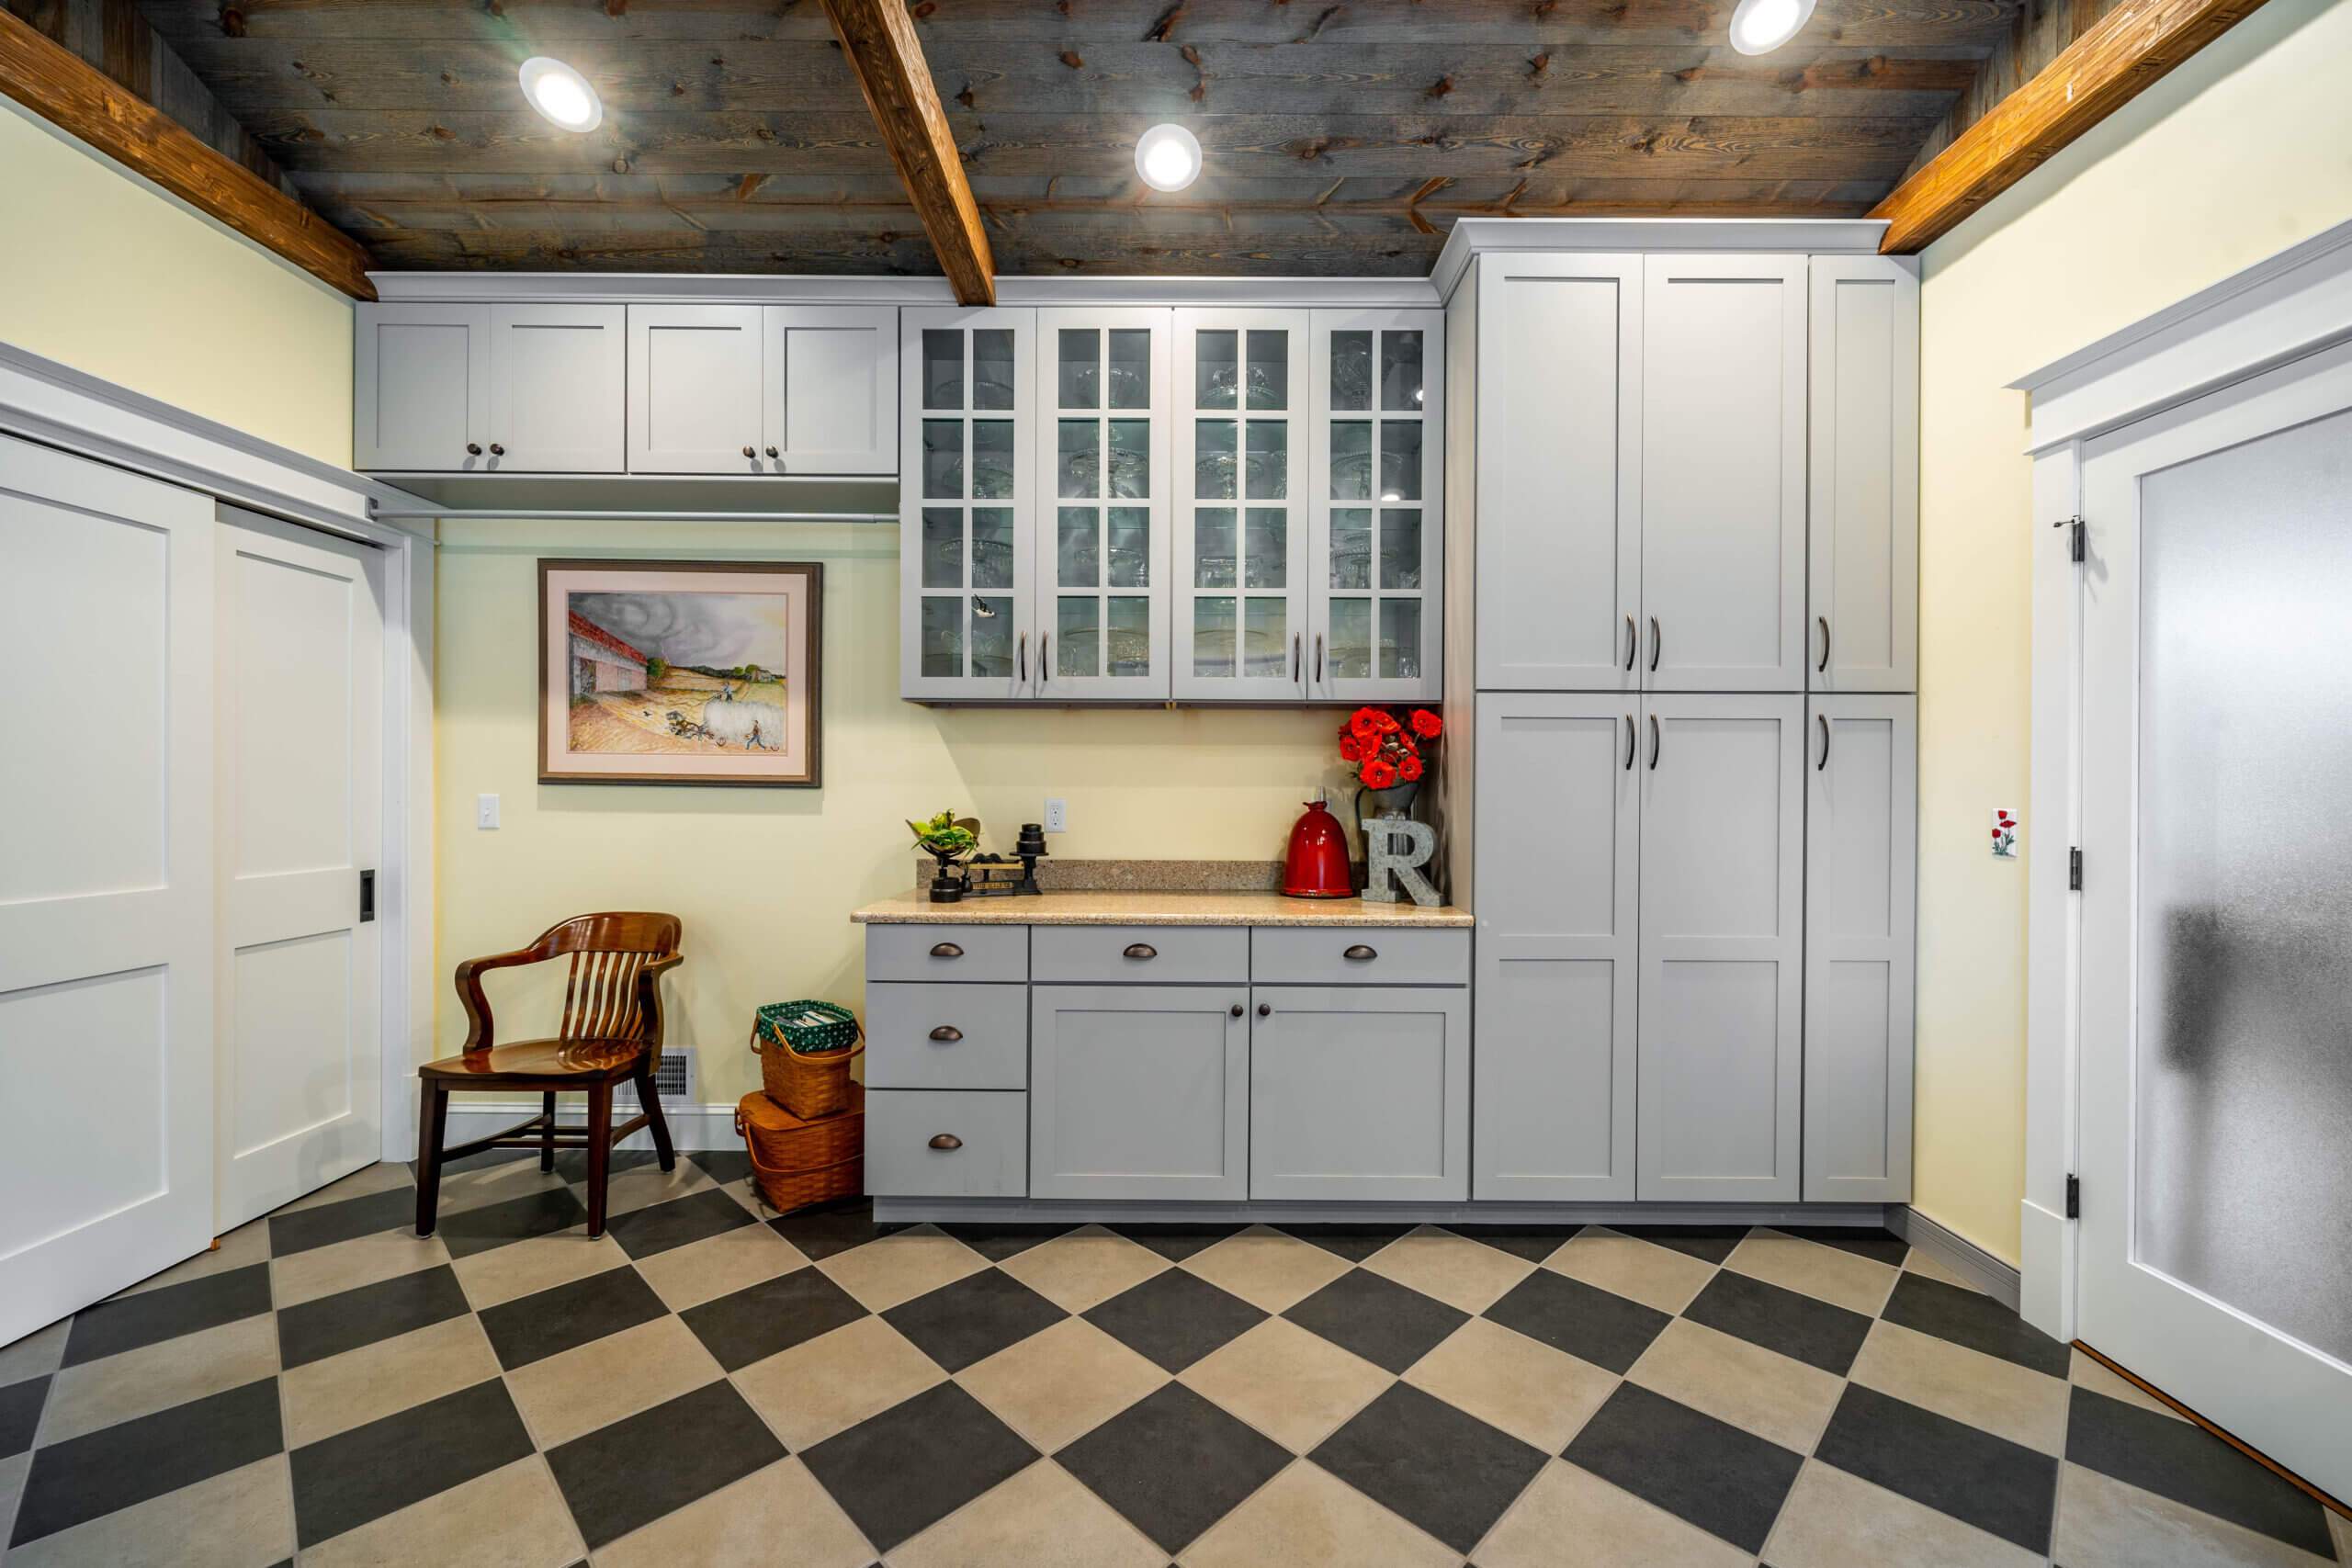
<point>1956,1252</point>
<point>1012,1210</point>
<point>691,1127</point>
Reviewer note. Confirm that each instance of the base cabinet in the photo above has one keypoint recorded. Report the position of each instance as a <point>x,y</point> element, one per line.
<point>1139,1091</point>
<point>945,1143</point>
<point>1360,1093</point>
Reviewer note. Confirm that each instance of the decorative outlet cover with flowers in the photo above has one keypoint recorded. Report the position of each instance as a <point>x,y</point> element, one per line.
<point>2005,835</point>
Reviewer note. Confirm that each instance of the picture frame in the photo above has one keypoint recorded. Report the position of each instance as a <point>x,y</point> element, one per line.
<point>681,672</point>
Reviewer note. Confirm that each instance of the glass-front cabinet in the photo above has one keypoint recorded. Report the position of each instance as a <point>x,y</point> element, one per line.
<point>1240,439</point>
<point>1102,459</point>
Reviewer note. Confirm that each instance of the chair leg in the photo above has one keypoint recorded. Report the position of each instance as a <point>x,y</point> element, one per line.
<point>547,1138</point>
<point>648,1099</point>
<point>431,1122</point>
<point>600,1153</point>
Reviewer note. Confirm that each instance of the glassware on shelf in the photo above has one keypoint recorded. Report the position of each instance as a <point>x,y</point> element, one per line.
<point>1351,460</point>
<point>1128,549</point>
<point>943,546</point>
<point>1351,546</point>
<point>1077,556</point>
<point>1400,371</point>
<point>1352,371</point>
<point>1266,548</point>
<point>992,368</point>
<point>992,637</point>
<point>1400,547</point>
<point>992,563</point>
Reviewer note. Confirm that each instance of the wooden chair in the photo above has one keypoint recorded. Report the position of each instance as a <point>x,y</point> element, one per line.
<point>611,1030</point>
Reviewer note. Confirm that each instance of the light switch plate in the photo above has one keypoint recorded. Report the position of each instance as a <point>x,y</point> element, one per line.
<point>2004,834</point>
<point>485,811</point>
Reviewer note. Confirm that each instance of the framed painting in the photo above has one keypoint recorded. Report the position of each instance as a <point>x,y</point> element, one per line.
<point>670,671</point>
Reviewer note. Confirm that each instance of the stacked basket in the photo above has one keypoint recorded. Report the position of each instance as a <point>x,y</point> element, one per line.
<point>806,1128</point>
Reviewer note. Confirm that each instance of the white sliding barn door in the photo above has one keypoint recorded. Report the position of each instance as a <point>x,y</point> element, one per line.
<point>105,881</point>
<point>300,705</point>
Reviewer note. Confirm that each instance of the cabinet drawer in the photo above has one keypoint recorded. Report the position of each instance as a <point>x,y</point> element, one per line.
<point>947,953</point>
<point>923,1143</point>
<point>1161,955</point>
<point>946,1036</point>
<point>1358,955</point>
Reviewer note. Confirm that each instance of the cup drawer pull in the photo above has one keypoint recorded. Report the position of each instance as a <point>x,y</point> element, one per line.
<point>946,1141</point>
<point>1360,953</point>
<point>1142,950</point>
<point>945,950</point>
<point>947,1034</point>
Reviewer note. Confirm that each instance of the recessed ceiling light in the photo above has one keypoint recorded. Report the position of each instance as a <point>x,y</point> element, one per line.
<point>561,94</point>
<point>1760,26</point>
<point>1167,157</point>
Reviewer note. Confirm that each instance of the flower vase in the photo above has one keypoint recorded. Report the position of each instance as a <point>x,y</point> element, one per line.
<point>1395,801</point>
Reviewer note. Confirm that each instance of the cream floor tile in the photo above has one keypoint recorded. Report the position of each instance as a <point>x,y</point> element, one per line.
<point>2087,1372</point>
<point>1920,1261</point>
<point>347,1265</point>
<point>643,1186</point>
<point>718,1265</point>
<point>1057,1385</point>
<point>1085,1268</point>
<point>1836,1520</point>
<point>779,1517</point>
<point>574,1392</point>
<point>1630,1266</point>
<point>322,1398</point>
<point>2106,1523</point>
<point>1569,1518</point>
<point>12,1487</point>
<point>513,1517</point>
<point>1267,1269</point>
<point>37,1352</point>
<point>241,1519</point>
<point>497,1182</point>
<point>1534,1392</point>
<point>1456,1269</point>
<point>1759,1390</point>
<point>1826,1273</point>
<point>1041,1519</point>
<point>156,1377</point>
<point>2339,1530</point>
<point>831,1383</point>
<point>241,1249</point>
<point>1298,1388</point>
<point>1999,1396</point>
<point>1307,1517</point>
<point>524,1268</point>
<point>901,1266</point>
<point>384,1176</point>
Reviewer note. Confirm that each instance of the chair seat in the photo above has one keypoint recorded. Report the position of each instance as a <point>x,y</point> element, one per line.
<point>584,1059</point>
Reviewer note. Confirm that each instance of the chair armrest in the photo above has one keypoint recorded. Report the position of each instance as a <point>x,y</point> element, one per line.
<point>480,1033</point>
<point>648,997</point>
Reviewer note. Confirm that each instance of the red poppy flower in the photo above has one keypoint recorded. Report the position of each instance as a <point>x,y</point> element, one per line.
<point>1409,769</point>
<point>1386,722</point>
<point>1378,773</point>
<point>1996,832</point>
<point>1349,751</point>
<point>1364,724</point>
<point>1427,725</point>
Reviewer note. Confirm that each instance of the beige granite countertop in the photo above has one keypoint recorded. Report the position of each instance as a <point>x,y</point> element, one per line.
<point>1127,909</point>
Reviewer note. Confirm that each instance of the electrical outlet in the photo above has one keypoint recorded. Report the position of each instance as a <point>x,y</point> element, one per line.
<point>1057,814</point>
<point>485,811</point>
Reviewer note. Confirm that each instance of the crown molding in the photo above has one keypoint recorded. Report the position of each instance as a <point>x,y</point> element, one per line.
<point>741,288</point>
<point>1810,236</point>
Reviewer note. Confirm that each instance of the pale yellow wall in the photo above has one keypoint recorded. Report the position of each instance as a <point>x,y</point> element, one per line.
<point>765,879</point>
<point>104,274</point>
<point>2241,152</point>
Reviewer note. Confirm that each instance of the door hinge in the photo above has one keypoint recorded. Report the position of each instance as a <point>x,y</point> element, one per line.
<point>2074,870</point>
<point>2075,533</point>
<point>367,897</point>
<point>2074,1196</point>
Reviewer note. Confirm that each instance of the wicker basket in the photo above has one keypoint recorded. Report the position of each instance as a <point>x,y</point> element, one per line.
<point>798,1162</point>
<point>810,1084</point>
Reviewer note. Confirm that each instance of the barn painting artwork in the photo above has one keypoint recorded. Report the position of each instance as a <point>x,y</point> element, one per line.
<point>679,672</point>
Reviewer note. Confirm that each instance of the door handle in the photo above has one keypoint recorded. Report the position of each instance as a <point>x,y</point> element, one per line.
<point>945,950</point>
<point>1822,720</point>
<point>1045,657</point>
<point>1141,950</point>
<point>1632,641</point>
<point>1237,1009</point>
<point>367,897</point>
<point>1265,1010</point>
<point>1629,743</point>
<point>1025,658</point>
<point>946,1141</point>
<point>496,450</point>
<point>947,1034</point>
<point>1824,621</point>
<point>1318,658</point>
<point>1657,643</point>
<point>1653,742</point>
<point>1294,656</point>
<point>1360,953</point>
<point>771,451</point>
<point>749,453</point>
<point>473,448</point>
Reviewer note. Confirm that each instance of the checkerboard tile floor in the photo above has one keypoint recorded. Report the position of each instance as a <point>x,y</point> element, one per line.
<point>709,1384</point>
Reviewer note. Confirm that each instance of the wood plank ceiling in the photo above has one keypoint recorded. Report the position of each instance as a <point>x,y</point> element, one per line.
<point>1342,137</point>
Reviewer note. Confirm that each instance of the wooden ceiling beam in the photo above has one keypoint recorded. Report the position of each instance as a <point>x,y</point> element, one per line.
<point>77,97</point>
<point>2119,57</point>
<point>878,38</point>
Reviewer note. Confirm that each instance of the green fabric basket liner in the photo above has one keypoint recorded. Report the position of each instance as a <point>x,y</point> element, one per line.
<point>808,1027</point>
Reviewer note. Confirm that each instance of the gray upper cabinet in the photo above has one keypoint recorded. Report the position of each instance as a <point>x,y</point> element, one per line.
<point>1360,1092</point>
<point>421,388</point>
<point>829,388</point>
<point>556,373</point>
<point>1722,881</point>
<point>1864,571</point>
<point>694,389</point>
<point>1559,481</point>
<point>1861,844</point>
<point>489,389</point>
<point>1558,911</point>
<point>1723,473</point>
<point>1139,1091</point>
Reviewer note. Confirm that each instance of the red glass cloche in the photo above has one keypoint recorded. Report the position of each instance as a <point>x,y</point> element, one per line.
<point>1318,865</point>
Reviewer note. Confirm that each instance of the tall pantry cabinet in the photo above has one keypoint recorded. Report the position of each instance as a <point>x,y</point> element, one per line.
<point>1691,510</point>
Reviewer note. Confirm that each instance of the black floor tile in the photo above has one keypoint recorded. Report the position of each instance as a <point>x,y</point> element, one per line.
<point>572,1165</point>
<point>756,1322</point>
<point>20,1405</point>
<point>1873,1242</point>
<point>331,1222</point>
<point>722,1165</point>
<point>544,1212</point>
<point>996,1242</point>
<point>536,1327</point>
<point>1174,1318</point>
<point>973,1318</point>
<point>1355,1243</point>
<point>1534,1243</point>
<point>1802,1327</point>
<point>835,1227</point>
<point>1977,1320</point>
<point>167,1312</point>
<point>1385,1323</point>
<point>1728,1482</point>
<point>1447,1472</point>
<point>1590,1323</point>
<point>658,1460</point>
<point>657,1227</point>
<point>1173,1464</point>
<point>1710,1244</point>
<point>916,1463</point>
<point>332,1324</point>
<point>1176,1241</point>
<point>2001,1487</point>
<point>78,1480</point>
<point>341,1482</point>
<point>2183,1461</point>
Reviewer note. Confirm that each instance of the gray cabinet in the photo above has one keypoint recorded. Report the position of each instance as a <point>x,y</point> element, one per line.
<point>1861,844</point>
<point>488,388</point>
<point>556,373</point>
<point>829,388</point>
<point>694,389</point>
<point>1721,869</point>
<point>1864,576</point>
<point>1558,786</point>
<point>1360,1092</point>
<point>1139,1091</point>
<point>945,1143</point>
<point>421,388</point>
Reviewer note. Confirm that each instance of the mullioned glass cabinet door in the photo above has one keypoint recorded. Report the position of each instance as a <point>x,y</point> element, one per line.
<point>1241,400</point>
<point>1102,547</point>
<point>966,515</point>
